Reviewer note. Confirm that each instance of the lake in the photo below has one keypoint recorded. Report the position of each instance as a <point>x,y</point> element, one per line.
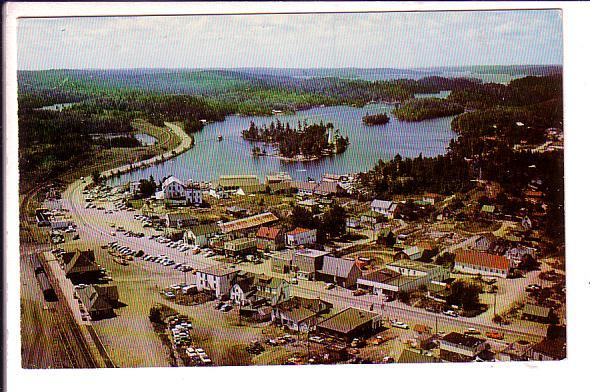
<point>210,158</point>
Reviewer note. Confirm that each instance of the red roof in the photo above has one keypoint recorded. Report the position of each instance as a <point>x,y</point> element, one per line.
<point>298,230</point>
<point>534,194</point>
<point>270,233</point>
<point>482,259</point>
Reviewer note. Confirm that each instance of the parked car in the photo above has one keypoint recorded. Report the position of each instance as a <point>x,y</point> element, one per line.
<point>359,292</point>
<point>451,313</point>
<point>330,286</point>
<point>399,324</point>
<point>471,331</point>
<point>293,281</point>
<point>495,335</point>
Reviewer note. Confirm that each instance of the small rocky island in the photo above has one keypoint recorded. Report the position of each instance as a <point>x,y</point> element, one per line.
<point>305,142</point>
<point>376,119</point>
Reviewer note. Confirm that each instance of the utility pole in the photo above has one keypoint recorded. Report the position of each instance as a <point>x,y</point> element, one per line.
<point>495,295</point>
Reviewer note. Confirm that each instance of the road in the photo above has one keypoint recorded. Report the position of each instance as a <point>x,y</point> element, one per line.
<point>93,224</point>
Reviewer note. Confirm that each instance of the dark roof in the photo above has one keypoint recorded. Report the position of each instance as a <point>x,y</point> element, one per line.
<point>383,275</point>
<point>204,229</point>
<point>409,356</point>
<point>336,266</point>
<point>80,261</point>
<point>462,340</point>
<point>555,348</point>
<point>270,233</point>
<point>98,298</point>
<point>348,320</point>
<point>300,309</point>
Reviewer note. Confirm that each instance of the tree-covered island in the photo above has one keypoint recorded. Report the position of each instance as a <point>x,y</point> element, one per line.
<point>301,143</point>
<point>424,108</point>
<point>376,119</point>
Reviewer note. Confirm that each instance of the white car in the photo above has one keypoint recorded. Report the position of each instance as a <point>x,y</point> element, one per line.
<point>451,313</point>
<point>399,324</point>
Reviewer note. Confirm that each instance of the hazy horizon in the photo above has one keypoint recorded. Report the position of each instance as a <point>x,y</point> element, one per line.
<point>392,40</point>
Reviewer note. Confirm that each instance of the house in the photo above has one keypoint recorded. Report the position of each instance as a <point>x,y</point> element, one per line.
<point>282,262</point>
<point>180,220</point>
<point>549,350</point>
<point>402,276</point>
<point>99,301</point>
<point>341,272</point>
<point>526,223</point>
<point>488,209</point>
<point>411,356</point>
<point>178,192</point>
<point>134,187</point>
<point>277,178</point>
<point>243,226</point>
<point>301,236</point>
<point>253,289</point>
<point>299,314</point>
<point>515,351</point>
<point>429,249</point>
<point>218,280</point>
<point>536,313</point>
<point>386,237</point>
<point>423,335</point>
<point>234,182</point>
<point>430,198</point>
<point>384,207</point>
<point>306,262</point>
<point>309,204</point>
<point>414,252</point>
<point>483,263</point>
<point>349,324</point>
<point>328,188</point>
<point>201,234</point>
<point>438,291</point>
<point>484,243</point>
<point>519,254</point>
<point>240,247</point>
<point>456,347</point>
<point>371,218</point>
<point>80,266</point>
<point>304,188</point>
<point>270,238</point>
<point>237,212</point>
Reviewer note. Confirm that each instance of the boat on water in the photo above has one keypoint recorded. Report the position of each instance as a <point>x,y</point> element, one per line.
<point>219,137</point>
<point>301,170</point>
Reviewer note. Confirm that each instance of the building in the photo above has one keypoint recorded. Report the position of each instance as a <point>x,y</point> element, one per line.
<point>218,280</point>
<point>384,207</point>
<point>240,227</point>
<point>99,301</point>
<point>412,356</point>
<point>234,182</point>
<point>386,237</point>
<point>488,209</point>
<point>80,266</point>
<point>484,243</point>
<point>323,188</point>
<point>402,276</point>
<point>341,272</point>
<point>301,236</point>
<point>180,220</point>
<point>423,335</point>
<point>549,350</point>
<point>134,187</point>
<point>299,314</point>
<point>473,262</point>
<point>201,234</point>
<point>349,324</point>
<point>240,246</point>
<point>257,289</point>
<point>177,191</point>
<point>536,313</point>
<point>282,262</point>
<point>414,252</point>
<point>456,347</point>
<point>306,262</point>
<point>270,238</point>
<point>371,218</point>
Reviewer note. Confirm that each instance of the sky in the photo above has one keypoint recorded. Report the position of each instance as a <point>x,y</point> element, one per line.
<point>363,40</point>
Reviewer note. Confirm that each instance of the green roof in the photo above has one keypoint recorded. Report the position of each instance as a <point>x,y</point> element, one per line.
<point>488,209</point>
<point>535,310</point>
<point>409,356</point>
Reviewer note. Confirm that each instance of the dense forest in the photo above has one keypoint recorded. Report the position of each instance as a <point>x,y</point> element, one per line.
<point>306,140</point>
<point>425,108</point>
<point>376,119</point>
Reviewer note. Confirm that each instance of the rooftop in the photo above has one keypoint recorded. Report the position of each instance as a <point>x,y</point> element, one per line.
<point>384,204</point>
<point>536,310</point>
<point>337,266</point>
<point>413,265</point>
<point>481,259</point>
<point>462,340</point>
<point>410,356</point>
<point>248,223</point>
<point>299,230</point>
<point>348,320</point>
<point>270,233</point>
<point>555,348</point>
<point>381,276</point>
<point>310,252</point>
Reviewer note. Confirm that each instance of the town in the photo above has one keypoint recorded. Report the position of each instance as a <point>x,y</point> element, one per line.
<point>299,272</point>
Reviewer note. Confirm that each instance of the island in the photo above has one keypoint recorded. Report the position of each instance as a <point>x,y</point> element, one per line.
<point>376,119</point>
<point>424,108</point>
<point>305,142</point>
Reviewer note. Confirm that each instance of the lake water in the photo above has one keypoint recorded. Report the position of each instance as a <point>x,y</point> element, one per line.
<point>210,158</point>
<point>145,139</point>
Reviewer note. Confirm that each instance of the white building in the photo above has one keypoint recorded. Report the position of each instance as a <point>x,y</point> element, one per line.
<point>217,279</point>
<point>301,236</point>
<point>483,263</point>
<point>384,207</point>
<point>174,189</point>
